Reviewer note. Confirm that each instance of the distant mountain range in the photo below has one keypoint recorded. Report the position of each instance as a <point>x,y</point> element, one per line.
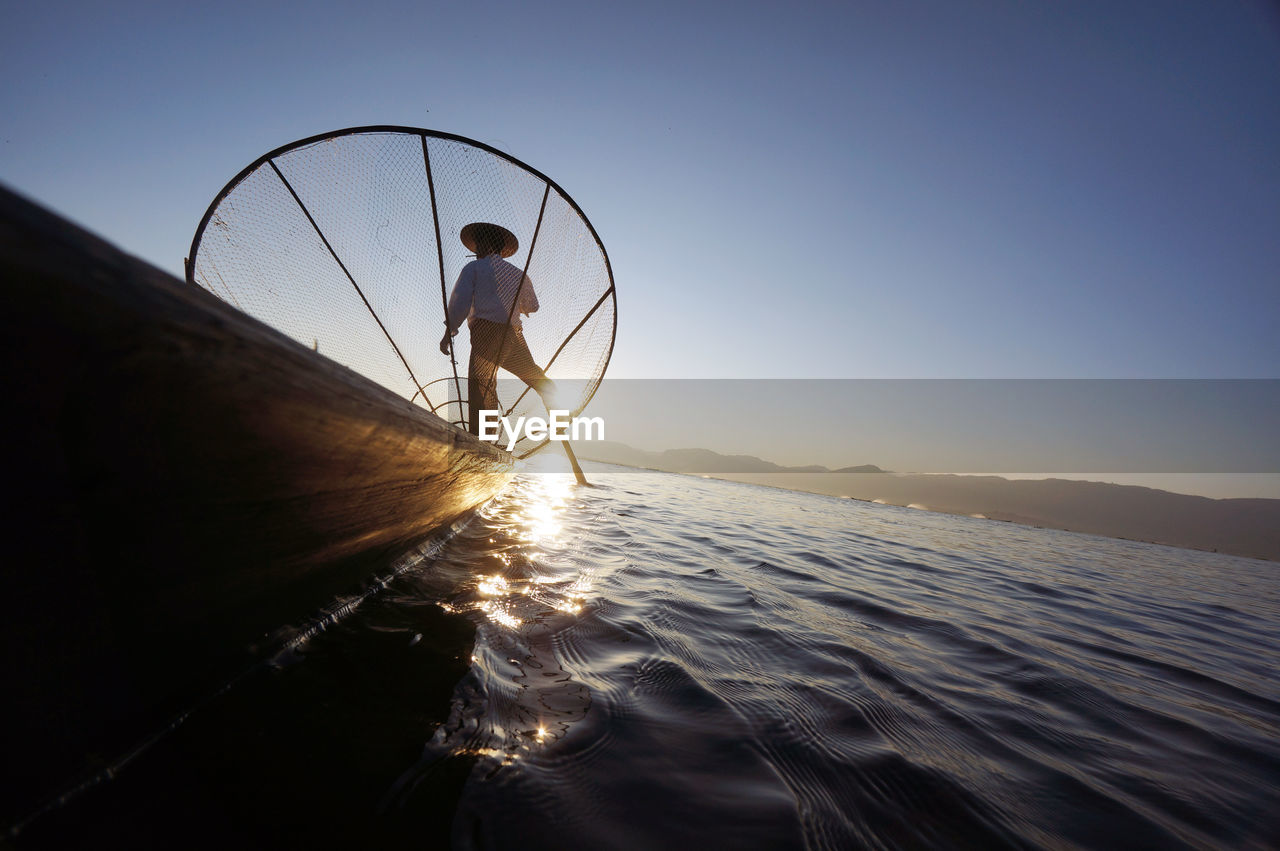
<point>1246,527</point>
<point>699,460</point>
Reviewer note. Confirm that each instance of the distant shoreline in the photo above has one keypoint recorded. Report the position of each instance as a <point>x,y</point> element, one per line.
<point>1246,527</point>
<point>1187,542</point>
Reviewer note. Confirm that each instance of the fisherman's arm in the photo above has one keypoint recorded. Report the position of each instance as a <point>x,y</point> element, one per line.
<point>459,305</point>
<point>528,298</point>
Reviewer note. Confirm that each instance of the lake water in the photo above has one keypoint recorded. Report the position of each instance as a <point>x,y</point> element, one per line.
<point>666,661</point>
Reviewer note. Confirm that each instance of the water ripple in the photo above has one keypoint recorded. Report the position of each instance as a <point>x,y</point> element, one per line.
<point>724,663</point>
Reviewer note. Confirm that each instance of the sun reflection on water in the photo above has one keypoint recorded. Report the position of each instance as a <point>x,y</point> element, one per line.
<point>500,614</point>
<point>540,519</point>
<point>529,582</point>
<point>493,586</point>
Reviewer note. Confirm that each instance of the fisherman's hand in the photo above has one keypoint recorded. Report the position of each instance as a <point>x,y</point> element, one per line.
<point>444,343</point>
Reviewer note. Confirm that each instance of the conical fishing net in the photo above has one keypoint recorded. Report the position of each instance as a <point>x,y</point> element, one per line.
<point>350,243</point>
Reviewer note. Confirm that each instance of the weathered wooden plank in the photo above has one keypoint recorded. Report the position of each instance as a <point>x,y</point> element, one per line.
<point>183,480</point>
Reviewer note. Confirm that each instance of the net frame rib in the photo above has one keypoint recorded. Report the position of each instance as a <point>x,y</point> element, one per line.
<point>564,343</point>
<point>343,267</point>
<point>560,349</point>
<point>444,295</point>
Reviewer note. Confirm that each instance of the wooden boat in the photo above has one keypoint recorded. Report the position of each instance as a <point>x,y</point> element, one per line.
<point>183,481</point>
<point>188,481</point>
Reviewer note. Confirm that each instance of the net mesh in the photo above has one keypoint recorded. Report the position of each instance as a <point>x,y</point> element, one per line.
<point>333,241</point>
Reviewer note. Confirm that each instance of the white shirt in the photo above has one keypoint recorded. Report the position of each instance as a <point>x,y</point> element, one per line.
<point>486,289</point>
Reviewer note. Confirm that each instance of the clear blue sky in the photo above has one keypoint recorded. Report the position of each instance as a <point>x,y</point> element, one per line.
<point>785,190</point>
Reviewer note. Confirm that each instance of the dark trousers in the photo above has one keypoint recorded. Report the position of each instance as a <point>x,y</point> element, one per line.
<point>494,345</point>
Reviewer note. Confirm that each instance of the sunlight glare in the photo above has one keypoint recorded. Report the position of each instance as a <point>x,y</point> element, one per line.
<point>492,586</point>
<point>540,520</point>
<point>498,613</point>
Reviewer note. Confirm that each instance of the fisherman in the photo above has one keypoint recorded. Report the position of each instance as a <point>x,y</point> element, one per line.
<point>492,295</point>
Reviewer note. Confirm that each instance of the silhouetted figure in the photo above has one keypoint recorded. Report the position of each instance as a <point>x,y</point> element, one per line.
<point>492,295</point>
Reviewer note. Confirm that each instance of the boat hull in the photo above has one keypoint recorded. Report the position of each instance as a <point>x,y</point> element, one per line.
<point>186,482</point>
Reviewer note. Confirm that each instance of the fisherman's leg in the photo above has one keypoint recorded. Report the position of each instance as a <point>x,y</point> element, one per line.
<point>482,393</point>
<point>518,360</point>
